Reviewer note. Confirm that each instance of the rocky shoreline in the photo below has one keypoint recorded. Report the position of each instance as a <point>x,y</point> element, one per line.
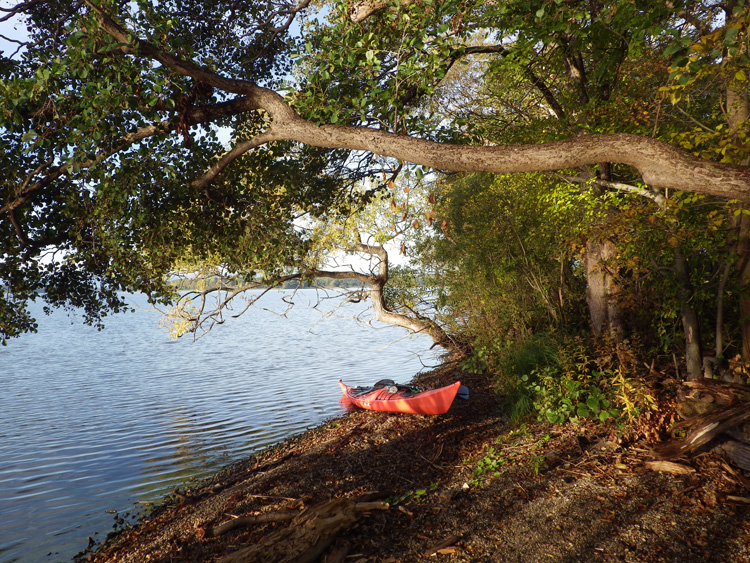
<point>466,486</point>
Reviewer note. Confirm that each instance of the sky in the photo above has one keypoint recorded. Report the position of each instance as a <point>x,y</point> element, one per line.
<point>11,29</point>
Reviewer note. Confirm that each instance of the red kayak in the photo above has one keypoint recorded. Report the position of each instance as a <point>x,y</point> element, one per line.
<point>401,398</point>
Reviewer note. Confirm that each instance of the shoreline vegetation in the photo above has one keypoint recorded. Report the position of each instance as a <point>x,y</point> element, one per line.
<point>466,486</point>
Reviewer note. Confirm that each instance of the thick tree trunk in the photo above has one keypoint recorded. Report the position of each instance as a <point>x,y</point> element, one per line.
<point>741,223</point>
<point>604,311</point>
<point>738,108</point>
<point>738,113</point>
<point>720,291</point>
<point>690,322</point>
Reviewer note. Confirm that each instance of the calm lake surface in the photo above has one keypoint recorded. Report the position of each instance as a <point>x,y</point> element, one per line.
<point>95,422</point>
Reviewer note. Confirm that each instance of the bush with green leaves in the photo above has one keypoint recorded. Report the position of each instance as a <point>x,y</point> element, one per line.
<point>557,398</point>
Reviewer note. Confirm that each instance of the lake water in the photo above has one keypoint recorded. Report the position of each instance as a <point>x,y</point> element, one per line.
<point>94,422</point>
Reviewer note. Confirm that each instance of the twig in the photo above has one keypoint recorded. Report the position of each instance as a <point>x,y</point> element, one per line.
<point>447,542</point>
<point>580,473</point>
<point>273,496</point>
<point>431,463</point>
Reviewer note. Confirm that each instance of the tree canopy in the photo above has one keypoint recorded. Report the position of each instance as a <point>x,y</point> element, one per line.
<point>138,134</point>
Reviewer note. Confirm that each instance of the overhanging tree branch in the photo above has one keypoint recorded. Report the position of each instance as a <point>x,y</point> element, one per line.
<point>198,315</point>
<point>659,163</point>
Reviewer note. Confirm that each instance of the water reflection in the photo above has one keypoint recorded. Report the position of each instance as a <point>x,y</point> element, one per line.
<point>95,421</point>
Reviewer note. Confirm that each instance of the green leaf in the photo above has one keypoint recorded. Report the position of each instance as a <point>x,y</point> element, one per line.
<point>30,135</point>
<point>731,35</point>
<point>593,404</point>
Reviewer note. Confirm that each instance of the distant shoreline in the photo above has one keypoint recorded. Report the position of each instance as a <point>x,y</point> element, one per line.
<point>202,284</point>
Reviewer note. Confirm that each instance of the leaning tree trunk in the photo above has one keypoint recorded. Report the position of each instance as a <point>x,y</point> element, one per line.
<point>377,282</point>
<point>383,313</point>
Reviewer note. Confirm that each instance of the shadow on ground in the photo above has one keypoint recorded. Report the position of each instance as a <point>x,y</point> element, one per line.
<point>562,494</point>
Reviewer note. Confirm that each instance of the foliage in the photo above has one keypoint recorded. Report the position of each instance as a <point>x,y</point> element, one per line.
<point>97,185</point>
<point>508,453</point>
<point>503,259</point>
<point>417,496</point>
<point>650,289</point>
<point>558,399</point>
<point>489,464</point>
<point>138,142</point>
<point>604,388</point>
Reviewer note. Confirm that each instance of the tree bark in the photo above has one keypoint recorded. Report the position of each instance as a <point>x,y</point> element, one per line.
<point>738,112</point>
<point>736,452</point>
<point>659,163</point>
<point>741,223</point>
<point>702,429</point>
<point>720,291</point>
<point>690,322</point>
<point>738,101</point>
<point>604,311</point>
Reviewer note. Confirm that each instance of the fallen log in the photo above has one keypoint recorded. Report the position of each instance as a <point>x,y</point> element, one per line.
<point>309,534</point>
<point>724,393</point>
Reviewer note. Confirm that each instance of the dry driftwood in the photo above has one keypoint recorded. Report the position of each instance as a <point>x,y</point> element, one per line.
<point>310,533</point>
<point>281,516</point>
<point>736,452</point>
<point>703,429</point>
<point>670,467</point>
